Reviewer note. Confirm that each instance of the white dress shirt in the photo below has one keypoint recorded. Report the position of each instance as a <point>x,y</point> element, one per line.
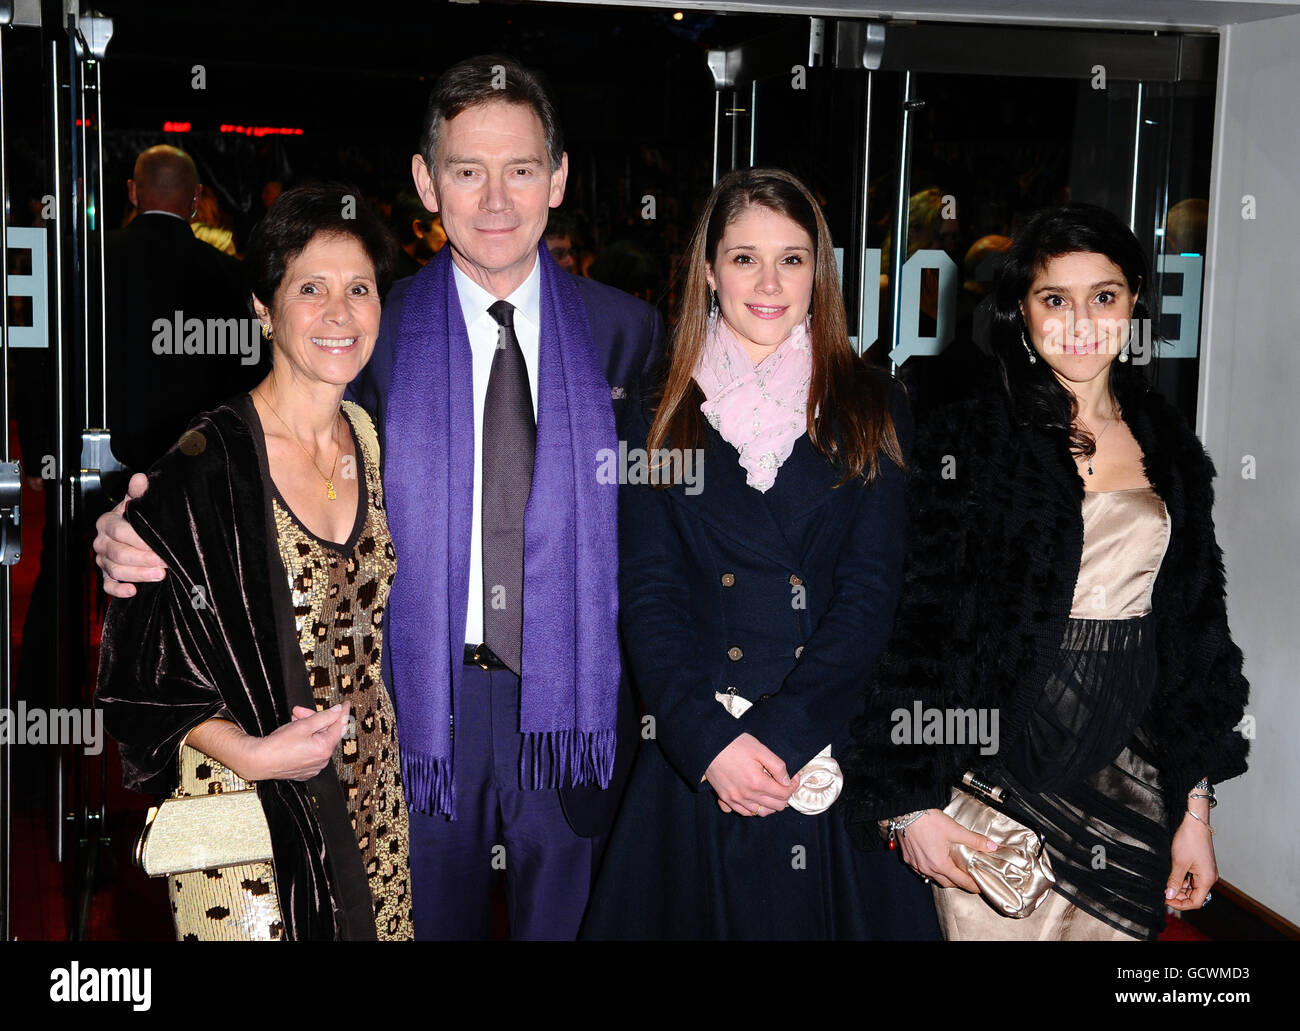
<point>483,335</point>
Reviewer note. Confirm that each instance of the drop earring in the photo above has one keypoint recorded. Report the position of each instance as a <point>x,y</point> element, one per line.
<point>1123,352</point>
<point>713,303</point>
<point>1033,358</point>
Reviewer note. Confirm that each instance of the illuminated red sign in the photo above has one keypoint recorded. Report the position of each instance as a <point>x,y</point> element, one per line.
<point>261,130</point>
<point>244,130</point>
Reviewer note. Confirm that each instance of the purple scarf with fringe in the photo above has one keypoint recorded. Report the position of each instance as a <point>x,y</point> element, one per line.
<point>570,664</point>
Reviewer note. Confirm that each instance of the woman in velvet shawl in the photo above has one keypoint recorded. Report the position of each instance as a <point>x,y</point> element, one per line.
<point>256,660</point>
<point>757,587</point>
<point>1063,577</point>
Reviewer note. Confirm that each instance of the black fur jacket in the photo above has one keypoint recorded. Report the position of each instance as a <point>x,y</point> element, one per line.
<point>995,540</point>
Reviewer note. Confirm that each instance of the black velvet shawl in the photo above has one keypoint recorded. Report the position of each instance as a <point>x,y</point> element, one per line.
<point>217,636</point>
<point>996,536</point>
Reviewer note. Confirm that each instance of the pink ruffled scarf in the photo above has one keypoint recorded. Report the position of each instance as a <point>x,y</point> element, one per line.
<point>759,410</point>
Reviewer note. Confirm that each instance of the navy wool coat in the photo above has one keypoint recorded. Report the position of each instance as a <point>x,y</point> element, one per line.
<point>787,597</point>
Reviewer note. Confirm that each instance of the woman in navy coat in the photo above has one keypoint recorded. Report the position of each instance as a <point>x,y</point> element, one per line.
<point>767,571</point>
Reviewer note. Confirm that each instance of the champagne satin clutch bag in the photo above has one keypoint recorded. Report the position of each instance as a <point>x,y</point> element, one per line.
<point>203,832</point>
<point>820,781</point>
<point>1014,880</point>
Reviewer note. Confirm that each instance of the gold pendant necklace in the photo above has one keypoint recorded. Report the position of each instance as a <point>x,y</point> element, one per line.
<point>330,492</point>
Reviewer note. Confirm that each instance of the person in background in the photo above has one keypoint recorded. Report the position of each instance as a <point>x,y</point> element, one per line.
<point>626,266</point>
<point>1186,225</point>
<point>155,268</point>
<point>271,189</point>
<point>980,267</point>
<point>212,225</point>
<point>419,234</point>
<point>560,230</point>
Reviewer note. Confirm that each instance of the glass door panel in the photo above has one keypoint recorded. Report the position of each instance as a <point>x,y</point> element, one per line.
<point>961,133</point>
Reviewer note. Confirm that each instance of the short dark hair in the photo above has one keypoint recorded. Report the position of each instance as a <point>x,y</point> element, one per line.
<point>301,214</point>
<point>483,80</point>
<point>408,208</point>
<point>628,267</point>
<point>560,223</point>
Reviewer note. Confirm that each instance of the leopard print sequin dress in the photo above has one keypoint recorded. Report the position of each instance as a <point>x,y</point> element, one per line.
<point>339,592</point>
<point>235,903</point>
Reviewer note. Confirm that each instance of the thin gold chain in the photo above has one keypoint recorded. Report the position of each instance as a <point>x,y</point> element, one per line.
<point>330,492</point>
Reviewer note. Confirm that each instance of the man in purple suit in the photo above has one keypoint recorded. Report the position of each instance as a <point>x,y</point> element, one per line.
<point>495,381</point>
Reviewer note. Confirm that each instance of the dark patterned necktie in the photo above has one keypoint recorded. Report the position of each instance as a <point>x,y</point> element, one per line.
<point>509,443</point>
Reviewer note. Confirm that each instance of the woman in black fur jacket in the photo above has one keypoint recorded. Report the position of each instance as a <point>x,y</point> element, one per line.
<point>1062,630</point>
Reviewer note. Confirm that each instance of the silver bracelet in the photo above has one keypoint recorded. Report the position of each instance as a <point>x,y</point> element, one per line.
<point>903,822</point>
<point>1203,785</point>
<point>1203,823</point>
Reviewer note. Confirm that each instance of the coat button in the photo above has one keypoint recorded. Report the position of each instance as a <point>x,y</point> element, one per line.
<point>728,579</point>
<point>798,651</point>
<point>795,580</point>
<point>734,654</point>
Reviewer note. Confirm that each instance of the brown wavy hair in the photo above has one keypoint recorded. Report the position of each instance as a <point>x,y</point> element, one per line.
<point>849,422</point>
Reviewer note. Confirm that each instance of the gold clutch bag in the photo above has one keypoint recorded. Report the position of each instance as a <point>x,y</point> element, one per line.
<point>204,832</point>
<point>1014,880</point>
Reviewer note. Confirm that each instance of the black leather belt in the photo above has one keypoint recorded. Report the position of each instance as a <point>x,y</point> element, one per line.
<point>481,655</point>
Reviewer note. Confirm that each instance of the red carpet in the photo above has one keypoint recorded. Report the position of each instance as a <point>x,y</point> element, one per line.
<point>126,904</point>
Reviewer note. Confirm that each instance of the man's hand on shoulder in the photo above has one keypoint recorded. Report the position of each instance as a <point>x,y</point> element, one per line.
<point>119,551</point>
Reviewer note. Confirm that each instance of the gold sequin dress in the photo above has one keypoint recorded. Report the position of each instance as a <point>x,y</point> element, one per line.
<point>339,593</point>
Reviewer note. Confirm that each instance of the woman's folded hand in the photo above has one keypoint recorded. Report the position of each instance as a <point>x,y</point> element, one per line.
<point>750,779</point>
<point>296,751</point>
<point>927,848</point>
